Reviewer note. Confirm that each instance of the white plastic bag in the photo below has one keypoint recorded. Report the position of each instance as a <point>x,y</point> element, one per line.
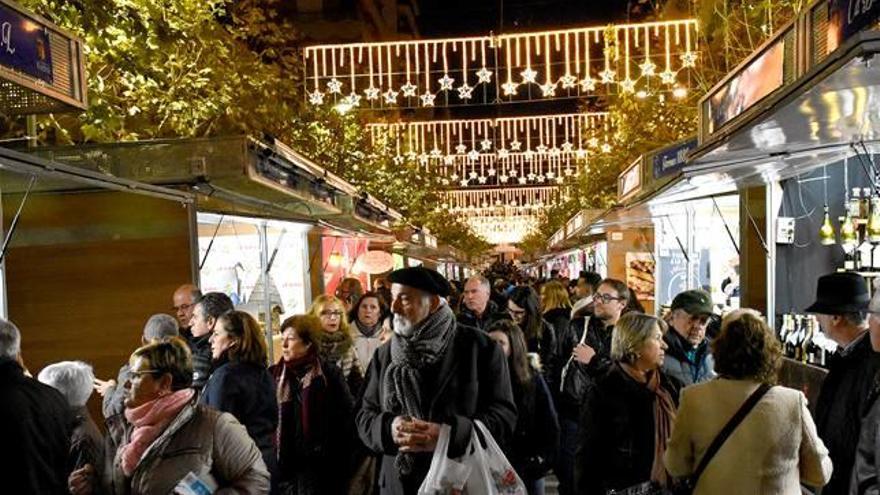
<point>445,476</point>
<point>491,472</point>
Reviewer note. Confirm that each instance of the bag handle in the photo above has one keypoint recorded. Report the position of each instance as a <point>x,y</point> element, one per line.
<point>571,358</point>
<point>728,429</point>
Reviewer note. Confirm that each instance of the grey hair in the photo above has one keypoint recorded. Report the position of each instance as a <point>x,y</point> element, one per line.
<point>160,326</point>
<point>630,334</point>
<point>484,282</point>
<point>10,339</point>
<point>856,318</point>
<point>72,378</point>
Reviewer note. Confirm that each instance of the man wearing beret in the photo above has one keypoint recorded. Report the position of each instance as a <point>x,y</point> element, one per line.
<point>841,307</point>
<point>688,357</point>
<point>431,372</point>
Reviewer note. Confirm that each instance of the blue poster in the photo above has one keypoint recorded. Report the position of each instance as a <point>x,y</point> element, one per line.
<point>850,16</point>
<point>24,45</point>
<point>672,159</point>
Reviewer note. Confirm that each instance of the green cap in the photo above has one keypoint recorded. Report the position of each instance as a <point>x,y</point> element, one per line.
<point>695,302</point>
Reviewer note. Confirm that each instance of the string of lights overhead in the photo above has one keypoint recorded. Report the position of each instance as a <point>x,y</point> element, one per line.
<point>568,63</point>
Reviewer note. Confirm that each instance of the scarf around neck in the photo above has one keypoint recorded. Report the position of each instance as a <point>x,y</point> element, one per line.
<point>368,331</point>
<point>664,418</point>
<point>288,375</point>
<point>149,421</point>
<point>332,347</point>
<point>410,356</point>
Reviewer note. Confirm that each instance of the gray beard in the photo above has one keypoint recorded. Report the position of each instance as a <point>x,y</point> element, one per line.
<point>402,326</point>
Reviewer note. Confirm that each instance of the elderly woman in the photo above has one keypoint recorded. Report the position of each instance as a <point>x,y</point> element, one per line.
<point>168,436</point>
<point>74,380</point>
<point>536,438</point>
<point>524,307</point>
<point>316,413</point>
<point>775,448</point>
<point>240,383</point>
<point>628,414</point>
<point>368,316</point>
<point>335,342</point>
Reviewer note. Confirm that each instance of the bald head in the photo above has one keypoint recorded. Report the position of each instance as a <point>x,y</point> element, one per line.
<point>184,299</point>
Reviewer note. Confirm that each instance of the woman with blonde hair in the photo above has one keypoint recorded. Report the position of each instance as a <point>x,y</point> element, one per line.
<point>775,447</point>
<point>556,308</point>
<point>335,343</point>
<point>240,383</point>
<point>628,415</point>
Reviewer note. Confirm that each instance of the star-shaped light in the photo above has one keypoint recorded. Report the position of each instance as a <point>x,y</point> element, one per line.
<point>560,179</point>
<point>428,99</point>
<point>409,89</point>
<point>541,148</point>
<point>567,147</point>
<point>448,160</point>
<point>334,86</point>
<point>522,180</point>
<point>513,172</point>
<point>688,59</point>
<point>606,148</point>
<point>397,159</point>
<point>548,90</point>
<point>354,99</point>
<point>515,145</point>
<point>491,172</point>
<point>667,77</point>
<point>580,153</point>
<point>503,179</point>
<point>498,202</point>
<point>588,84</point>
<point>465,91</point>
<point>647,67</point>
<point>568,81</point>
<point>528,155</point>
<point>460,148</point>
<point>503,153</point>
<point>481,179</point>
<point>540,178</point>
<point>531,176</point>
<point>454,176</point>
<point>435,153</point>
<point>445,182</point>
<point>628,85</point>
<point>486,144</point>
<point>316,98</point>
<point>551,175</point>
<point>472,175</point>
<point>372,93</point>
<point>445,82</point>
<point>529,75</point>
<point>473,155</point>
<point>593,142</point>
<point>554,151</point>
<point>607,76</point>
<point>484,75</point>
<point>391,97</point>
<point>568,171</point>
<point>411,155</point>
<point>464,182</point>
<point>509,88</point>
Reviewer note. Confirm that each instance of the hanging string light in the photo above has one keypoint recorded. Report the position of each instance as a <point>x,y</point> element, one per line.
<point>539,65</point>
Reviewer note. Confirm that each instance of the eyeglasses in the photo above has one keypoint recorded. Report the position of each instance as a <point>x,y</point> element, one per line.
<point>331,314</point>
<point>607,298</point>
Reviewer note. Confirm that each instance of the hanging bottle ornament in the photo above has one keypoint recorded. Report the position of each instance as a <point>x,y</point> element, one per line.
<point>826,231</point>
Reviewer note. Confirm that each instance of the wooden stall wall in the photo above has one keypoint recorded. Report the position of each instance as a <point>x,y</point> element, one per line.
<point>639,243</point>
<point>85,271</point>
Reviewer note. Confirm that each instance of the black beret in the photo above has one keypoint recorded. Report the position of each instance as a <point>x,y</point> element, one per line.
<point>421,278</point>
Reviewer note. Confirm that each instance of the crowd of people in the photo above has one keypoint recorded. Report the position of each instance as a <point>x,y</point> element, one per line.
<point>570,377</point>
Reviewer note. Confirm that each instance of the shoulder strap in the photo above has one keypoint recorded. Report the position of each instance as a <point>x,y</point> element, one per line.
<point>728,429</point>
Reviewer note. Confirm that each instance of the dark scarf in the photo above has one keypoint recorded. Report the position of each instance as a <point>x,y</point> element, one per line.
<point>664,418</point>
<point>288,375</point>
<point>368,331</point>
<point>409,357</point>
<point>332,347</point>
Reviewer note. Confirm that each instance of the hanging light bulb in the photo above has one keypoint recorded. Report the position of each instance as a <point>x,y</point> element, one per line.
<point>826,231</point>
<point>848,236</point>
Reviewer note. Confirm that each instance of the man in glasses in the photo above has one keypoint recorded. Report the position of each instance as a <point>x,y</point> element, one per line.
<point>688,357</point>
<point>205,313</point>
<point>183,300</point>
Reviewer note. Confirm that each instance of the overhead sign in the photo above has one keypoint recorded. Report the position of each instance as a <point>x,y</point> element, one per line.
<point>630,181</point>
<point>24,45</point>
<point>672,159</point>
<point>847,17</point>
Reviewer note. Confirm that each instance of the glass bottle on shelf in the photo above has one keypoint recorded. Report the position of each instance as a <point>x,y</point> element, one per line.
<point>848,235</point>
<point>865,203</point>
<point>849,260</point>
<point>826,231</point>
<point>855,203</point>
<point>873,229</point>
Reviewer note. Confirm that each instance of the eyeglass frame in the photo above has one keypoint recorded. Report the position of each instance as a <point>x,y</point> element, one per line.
<point>606,298</point>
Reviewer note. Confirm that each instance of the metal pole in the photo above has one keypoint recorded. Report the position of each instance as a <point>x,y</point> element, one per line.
<point>267,303</point>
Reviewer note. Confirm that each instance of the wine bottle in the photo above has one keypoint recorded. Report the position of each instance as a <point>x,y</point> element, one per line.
<point>849,261</point>
<point>855,202</point>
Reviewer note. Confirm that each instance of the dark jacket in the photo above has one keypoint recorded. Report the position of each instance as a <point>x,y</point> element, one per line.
<point>616,439</point>
<point>86,442</point>
<point>840,406</point>
<point>246,391</point>
<point>317,463</point>
<point>583,376</point>
<point>536,439</point>
<point>492,314</point>
<point>866,470</point>
<point>201,354</point>
<point>114,400</point>
<point>548,351</point>
<point>35,428</point>
<point>560,319</point>
<point>470,382</point>
<point>698,369</point>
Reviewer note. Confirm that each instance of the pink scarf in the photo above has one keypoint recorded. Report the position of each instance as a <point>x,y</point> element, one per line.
<point>149,421</point>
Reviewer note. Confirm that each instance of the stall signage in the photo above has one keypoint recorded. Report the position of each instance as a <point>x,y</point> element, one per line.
<point>851,16</point>
<point>671,160</point>
<point>24,45</point>
<point>629,182</point>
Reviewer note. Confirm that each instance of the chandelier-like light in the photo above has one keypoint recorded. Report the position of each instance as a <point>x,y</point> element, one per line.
<point>503,229</point>
<point>515,67</point>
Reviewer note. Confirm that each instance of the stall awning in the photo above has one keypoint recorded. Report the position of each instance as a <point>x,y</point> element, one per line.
<point>237,175</point>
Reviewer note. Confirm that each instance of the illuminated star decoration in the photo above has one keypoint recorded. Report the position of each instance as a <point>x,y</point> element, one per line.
<point>354,99</point>
<point>529,75</point>
<point>460,148</point>
<point>472,175</point>
<point>503,153</point>
<point>465,91</point>
<point>512,172</point>
<point>580,153</point>
<point>560,179</point>
<point>551,175</point>
<point>334,86</point>
<point>567,147</point>
<point>541,148</point>
<point>391,97</point>
<point>473,155</point>
<point>486,144</point>
<point>522,180</point>
<point>449,160</point>
<point>509,88</point>
<point>408,89</point>
<point>568,81</point>
<point>464,182</point>
<point>607,76</point>
<point>428,99</point>
<point>481,179</point>
<point>454,176</point>
<point>668,77</point>
<point>548,90</point>
<point>503,178</point>
<point>606,148</point>
<point>528,155</point>
<point>647,68</point>
<point>628,85</point>
<point>435,153</point>
<point>588,84</point>
<point>484,75</point>
<point>372,93</point>
<point>316,98</point>
<point>515,145</point>
<point>445,82</point>
<point>491,172</point>
<point>688,59</point>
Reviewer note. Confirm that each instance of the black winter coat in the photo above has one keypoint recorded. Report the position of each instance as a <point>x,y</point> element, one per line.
<point>616,438</point>
<point>560,318</point>
<point>35,427</point>
<point>584,376</point>
<point>470,382</point>
<point>536,439</point>
<point>548,351</point>
<point>201,354</point>
<point>492,314</point>
<point>840,406</point>
<point>246,391</point>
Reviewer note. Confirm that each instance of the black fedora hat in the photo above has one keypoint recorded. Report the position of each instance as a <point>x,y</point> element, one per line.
<point>839,293</point>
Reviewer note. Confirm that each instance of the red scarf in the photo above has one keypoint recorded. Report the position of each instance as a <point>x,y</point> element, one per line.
<point>149,421</point>
<point>288,374</point>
